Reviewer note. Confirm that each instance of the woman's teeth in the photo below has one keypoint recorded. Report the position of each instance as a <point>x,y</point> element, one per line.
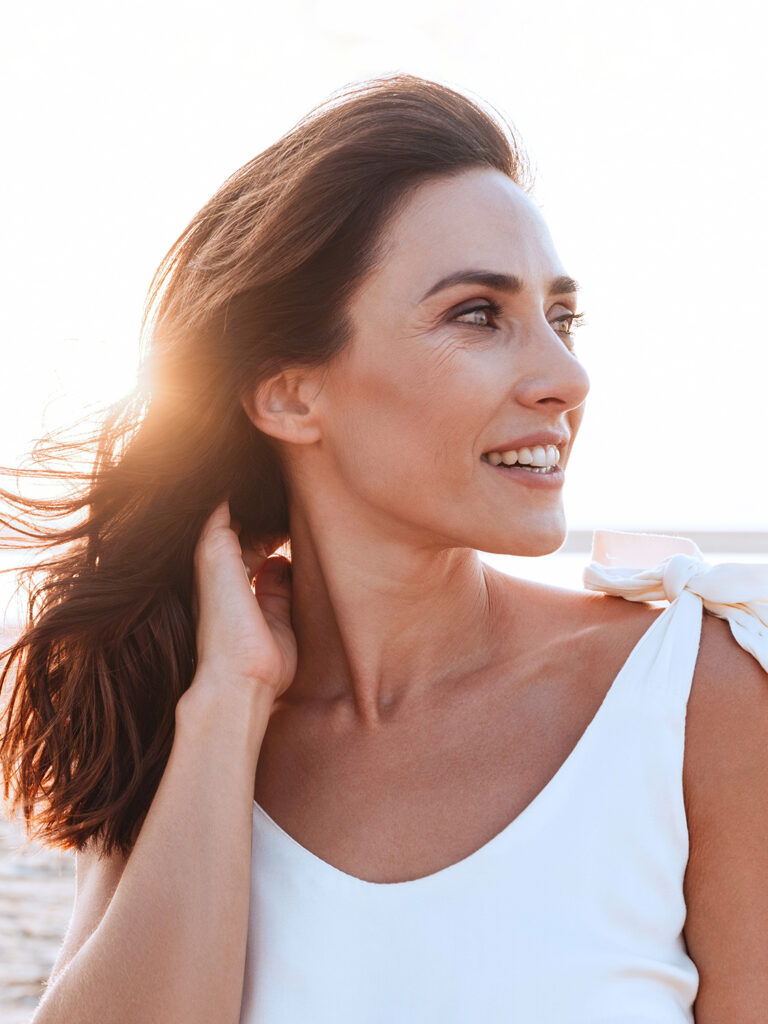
<point>536,460</point>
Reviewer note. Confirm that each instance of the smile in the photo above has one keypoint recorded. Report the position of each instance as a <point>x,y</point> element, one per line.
<point>541,459</point>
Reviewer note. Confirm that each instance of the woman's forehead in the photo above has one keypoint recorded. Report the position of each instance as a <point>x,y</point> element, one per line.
<point>479,220</point>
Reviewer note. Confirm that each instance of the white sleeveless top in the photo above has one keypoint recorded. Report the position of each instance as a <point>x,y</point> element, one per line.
<point>573,913</point>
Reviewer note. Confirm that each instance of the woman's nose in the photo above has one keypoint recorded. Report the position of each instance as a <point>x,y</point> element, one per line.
<point>552,374</point>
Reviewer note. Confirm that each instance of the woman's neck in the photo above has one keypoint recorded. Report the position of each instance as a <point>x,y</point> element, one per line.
<point>381,623</point>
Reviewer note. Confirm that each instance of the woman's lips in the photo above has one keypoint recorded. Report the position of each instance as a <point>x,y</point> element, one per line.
<point>552,479</point>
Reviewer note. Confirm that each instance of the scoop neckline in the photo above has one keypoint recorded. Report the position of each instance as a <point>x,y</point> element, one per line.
<point>517,824</point>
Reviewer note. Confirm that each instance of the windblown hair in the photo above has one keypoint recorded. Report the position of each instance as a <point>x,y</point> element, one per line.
<point>259,281</point>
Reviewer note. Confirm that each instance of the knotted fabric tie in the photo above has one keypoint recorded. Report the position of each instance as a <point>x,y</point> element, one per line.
<point>653,567</point>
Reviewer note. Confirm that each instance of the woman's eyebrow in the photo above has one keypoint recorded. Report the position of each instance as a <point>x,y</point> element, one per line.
<point>501,282</point>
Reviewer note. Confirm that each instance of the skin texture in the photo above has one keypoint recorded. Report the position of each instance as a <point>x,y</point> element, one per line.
<point>725,782</point>
<point>433,697</point>
<point>418,666</point>
<point>391,500</point>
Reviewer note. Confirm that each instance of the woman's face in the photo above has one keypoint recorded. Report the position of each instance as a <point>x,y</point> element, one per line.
<point>443,370</point>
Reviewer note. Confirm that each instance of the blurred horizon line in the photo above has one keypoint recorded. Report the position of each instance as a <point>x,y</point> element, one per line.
<point>579,540</point>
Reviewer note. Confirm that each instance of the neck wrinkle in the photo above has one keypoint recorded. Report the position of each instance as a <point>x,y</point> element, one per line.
<point>382,626</point>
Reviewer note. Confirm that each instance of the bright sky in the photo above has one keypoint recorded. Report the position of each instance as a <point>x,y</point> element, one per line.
<point>646,124</point>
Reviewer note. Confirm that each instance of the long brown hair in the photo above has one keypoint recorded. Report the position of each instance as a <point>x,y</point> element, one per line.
<point>258,281</point>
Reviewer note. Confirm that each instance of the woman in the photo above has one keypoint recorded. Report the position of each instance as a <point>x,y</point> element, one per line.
<point>380,781</point>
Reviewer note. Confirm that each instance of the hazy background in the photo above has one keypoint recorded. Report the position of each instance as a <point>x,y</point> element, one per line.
<point>645,122</point>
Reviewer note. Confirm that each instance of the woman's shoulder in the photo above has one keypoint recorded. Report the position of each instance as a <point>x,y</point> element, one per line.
<point>725,672</point>
<point>594,632</point>
<point>578,611</point>
<point>728,680</point>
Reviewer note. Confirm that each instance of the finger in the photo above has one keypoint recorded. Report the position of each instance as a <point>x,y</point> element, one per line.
<point>254,558</point>
<point>259,542</point>
<point>273,585</point>
<point>218,518</point>
<point>221,515</point>
<point>256,549</point>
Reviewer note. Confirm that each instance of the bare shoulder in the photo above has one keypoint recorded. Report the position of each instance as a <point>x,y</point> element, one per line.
<point>578,612</point>
<point>725,783</point>
<point>603,629</point>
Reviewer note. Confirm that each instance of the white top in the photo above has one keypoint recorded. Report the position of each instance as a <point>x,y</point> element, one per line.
<point>573,913</point>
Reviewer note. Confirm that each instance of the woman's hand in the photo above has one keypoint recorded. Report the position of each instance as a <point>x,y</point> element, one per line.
<point>242,639</point>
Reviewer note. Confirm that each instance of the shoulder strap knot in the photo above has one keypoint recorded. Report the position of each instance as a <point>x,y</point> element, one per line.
<point>660,568</point>
<point>679,572</point>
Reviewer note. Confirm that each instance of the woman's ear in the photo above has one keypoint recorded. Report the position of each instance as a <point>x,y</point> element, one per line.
<point>284,406</point>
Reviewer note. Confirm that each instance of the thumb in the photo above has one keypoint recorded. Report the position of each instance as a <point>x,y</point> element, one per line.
<point>273,585</point>
<point>279,568</point>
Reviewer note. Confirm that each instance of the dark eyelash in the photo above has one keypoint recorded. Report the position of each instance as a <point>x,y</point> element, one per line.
<point>575,320</point>
<point>494,307</point>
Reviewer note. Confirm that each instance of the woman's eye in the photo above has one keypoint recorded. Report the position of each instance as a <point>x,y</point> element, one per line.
<point>482,313</point>
<point>566,325</point>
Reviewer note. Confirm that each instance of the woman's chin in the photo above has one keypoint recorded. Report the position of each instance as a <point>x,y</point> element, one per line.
<point>530,543</point>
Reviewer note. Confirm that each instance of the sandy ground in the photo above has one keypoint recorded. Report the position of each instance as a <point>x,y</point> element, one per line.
<point>37,889</point>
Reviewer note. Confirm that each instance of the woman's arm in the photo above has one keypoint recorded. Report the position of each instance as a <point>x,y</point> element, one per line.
<point>726,792</point>
<point>171,944</point>
<point>161,936</point>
